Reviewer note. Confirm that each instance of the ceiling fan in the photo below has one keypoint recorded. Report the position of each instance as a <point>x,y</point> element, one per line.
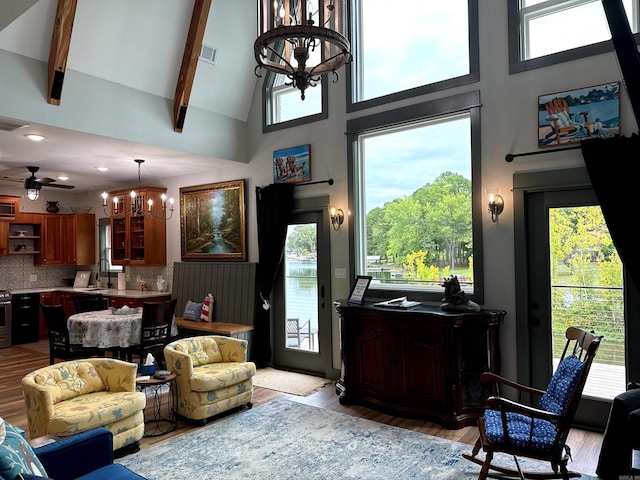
<point>33,185</point>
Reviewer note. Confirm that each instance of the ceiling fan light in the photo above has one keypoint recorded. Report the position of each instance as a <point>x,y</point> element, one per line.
<point>33,194</point>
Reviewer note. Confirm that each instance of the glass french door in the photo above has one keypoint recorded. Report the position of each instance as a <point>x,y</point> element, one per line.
<point>575,278</point>
<point>302,324</point>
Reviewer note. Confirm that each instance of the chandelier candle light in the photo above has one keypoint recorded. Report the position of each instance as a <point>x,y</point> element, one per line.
<point>137,206</point>
<point>302,39</point>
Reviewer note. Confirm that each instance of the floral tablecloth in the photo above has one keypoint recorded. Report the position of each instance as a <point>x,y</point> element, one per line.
<point>102,329</point>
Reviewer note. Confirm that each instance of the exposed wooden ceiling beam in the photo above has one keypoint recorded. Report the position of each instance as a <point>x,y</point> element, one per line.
<point>190,62</point>
<point>60,41</point>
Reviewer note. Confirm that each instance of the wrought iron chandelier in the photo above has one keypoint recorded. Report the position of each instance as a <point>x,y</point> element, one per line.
<point>137,207</point>
<point>302,39</point>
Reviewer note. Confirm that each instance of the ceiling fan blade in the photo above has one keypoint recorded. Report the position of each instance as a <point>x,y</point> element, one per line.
<point>45,180</point>
<point>19,180</point>
<point>57,185</point>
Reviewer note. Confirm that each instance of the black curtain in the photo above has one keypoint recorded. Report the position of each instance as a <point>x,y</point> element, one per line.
<point>609,162</point>
<point>274,204</point>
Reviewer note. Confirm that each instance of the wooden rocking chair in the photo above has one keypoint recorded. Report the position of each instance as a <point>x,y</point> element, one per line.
<point>536,432</point>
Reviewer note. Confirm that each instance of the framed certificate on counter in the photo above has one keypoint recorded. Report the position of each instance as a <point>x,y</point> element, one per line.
<point>82,279</point>
<point>359,289</point>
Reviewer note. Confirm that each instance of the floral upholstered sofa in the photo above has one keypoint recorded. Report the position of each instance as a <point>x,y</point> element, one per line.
<point>212,374</point>
<point>79,395</point>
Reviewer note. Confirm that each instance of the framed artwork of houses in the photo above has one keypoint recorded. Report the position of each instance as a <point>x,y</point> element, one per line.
<point>575,115</point>
<point>212,222</point>
<point>292,165</point>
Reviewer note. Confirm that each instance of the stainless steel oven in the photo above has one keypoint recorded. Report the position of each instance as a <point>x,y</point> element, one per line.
<point>5,318</point>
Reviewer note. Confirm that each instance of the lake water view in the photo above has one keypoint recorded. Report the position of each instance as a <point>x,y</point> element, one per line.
<point>302,290</point>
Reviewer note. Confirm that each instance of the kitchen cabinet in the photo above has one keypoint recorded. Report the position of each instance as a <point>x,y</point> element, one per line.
<point>25,326</point>
<point>80,239</point>
<point>4,239</point>
<point>138,238</point>
<point>51,241</point>
<point>9,207</point>
<point>23,238</point>
<point>119,302</point>
<point>68,239</point>
<point>419,362</point>
<point>66,300</point>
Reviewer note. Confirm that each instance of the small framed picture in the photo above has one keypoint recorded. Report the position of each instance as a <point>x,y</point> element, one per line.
<point>575,115</point>
<point>359,289</point>
<point>292,165</point>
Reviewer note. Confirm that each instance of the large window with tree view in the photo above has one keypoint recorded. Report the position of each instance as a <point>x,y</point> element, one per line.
<point>415,219</point>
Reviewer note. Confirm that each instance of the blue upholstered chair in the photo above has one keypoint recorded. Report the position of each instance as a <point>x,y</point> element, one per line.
<point>85,456</point>
<point>538,432</point>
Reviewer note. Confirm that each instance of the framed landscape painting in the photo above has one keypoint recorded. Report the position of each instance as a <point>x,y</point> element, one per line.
<point>292,165</point>
<point>212,222</point>
<point>574,115</point>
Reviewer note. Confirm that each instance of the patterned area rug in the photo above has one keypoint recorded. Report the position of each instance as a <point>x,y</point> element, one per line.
<point>288,382</point>
<point>284,439</point>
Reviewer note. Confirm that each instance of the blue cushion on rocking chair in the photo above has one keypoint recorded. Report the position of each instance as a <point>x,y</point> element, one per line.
<point>537,434</point>
<point>523,431</point>
<point>562,385</point>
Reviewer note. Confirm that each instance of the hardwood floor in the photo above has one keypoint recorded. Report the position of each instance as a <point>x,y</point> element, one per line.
<point>17,361</point>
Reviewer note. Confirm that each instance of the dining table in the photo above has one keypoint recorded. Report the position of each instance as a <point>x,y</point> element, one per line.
<point>105,329</point>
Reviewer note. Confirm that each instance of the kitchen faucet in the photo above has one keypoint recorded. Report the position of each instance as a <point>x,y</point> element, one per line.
<point>109,284</point>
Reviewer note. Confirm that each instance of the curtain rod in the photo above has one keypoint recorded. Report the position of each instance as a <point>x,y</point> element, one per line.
<point>510,156</point>
<point>329,181</point>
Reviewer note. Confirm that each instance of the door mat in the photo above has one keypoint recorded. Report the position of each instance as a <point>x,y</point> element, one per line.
<point>289,382</point>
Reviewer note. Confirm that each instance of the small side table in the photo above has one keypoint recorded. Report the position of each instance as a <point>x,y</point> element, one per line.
<point>162,418</point>
<point>44,440</point>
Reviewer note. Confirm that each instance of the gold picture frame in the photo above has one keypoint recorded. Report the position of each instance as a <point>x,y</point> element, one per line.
<point>213,223</point>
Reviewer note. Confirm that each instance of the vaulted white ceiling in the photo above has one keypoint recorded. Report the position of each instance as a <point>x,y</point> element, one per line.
<point>138,44</point>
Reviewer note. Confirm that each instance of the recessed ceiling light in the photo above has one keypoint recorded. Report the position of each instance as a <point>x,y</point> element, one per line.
<point>63,177</point>
<point>102,169</point>
<point>34,137</point>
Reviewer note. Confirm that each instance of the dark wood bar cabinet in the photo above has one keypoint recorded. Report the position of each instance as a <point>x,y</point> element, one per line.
<point>420,362</point>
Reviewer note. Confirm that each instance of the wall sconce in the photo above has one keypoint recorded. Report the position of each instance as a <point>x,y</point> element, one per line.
<point>496,205</point>
<point>337,217</point>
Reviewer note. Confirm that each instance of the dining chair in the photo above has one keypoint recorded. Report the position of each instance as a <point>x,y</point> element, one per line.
<point>90,303</point>
<point>59,345</point>
<point>155,331</point>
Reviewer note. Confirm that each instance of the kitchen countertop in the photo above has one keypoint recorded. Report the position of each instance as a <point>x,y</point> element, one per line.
<point>107,292</point>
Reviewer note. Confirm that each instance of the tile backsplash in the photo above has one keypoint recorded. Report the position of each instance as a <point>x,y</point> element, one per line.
<point>17,272</point>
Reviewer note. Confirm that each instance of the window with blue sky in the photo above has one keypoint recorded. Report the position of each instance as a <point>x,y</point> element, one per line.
<point>429,43</point>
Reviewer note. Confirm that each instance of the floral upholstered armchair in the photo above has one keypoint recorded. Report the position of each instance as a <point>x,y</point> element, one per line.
<point>79,395</point>
<point>212,374</point>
